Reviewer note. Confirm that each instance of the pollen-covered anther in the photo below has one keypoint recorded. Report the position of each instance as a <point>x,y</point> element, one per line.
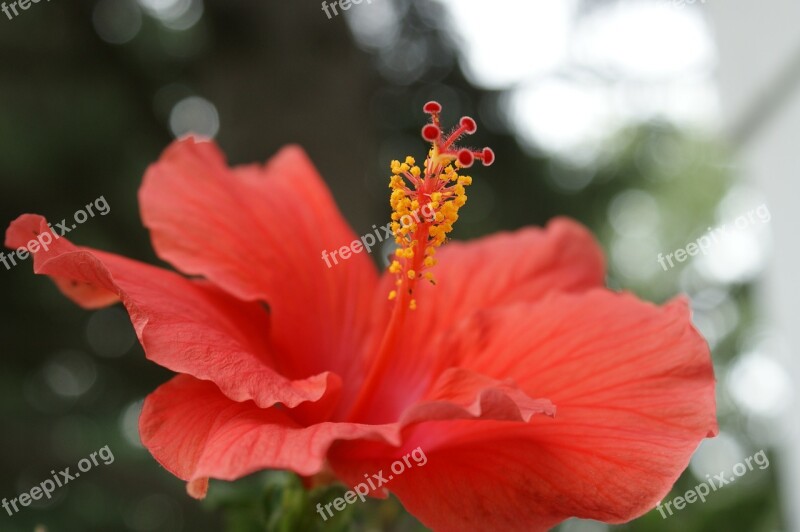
<point>426,199</point>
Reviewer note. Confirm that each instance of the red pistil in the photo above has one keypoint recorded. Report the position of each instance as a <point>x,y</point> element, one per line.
<point>447,149</point>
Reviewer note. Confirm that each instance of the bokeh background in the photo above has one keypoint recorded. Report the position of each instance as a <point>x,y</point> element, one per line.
<point>650,121</point>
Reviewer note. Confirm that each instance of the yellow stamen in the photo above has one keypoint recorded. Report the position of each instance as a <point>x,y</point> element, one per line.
<point>425,200</point>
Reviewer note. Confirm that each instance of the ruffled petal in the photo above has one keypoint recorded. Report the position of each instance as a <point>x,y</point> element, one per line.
<point>597,352</point>
<point>186,326</point>
<point>260,233</point>
<point>496,271</point>
<point>502,269</point>
<point>634,388</point>
<point>196,432</point>
<point>460,393</point>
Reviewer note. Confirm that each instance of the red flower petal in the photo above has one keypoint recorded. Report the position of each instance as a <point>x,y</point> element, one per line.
<point>196,432</point>
<point>460,393</point>
<point>186,326</point>
<point>197,488</point>
<point>499,270</point>
<point>259,233</point>
<point>502,269</point>
<point>634,388</point>
<point>29,227</point>
<point>597,351</point>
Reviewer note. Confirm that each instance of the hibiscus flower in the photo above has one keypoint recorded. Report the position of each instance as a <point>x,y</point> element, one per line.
<point>535,393</point>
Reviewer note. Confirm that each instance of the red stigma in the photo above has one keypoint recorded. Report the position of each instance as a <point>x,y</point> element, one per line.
<point>431,132</point>
<point>465,158</point>
<point>487,156</point>
<point>432,107</point>
<point>447,148</point>
<point>469,125</point>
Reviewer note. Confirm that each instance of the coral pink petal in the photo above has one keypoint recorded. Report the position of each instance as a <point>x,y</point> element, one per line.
<point>196,432</point>
<point>259,233</point>
<point>495,271</point>
<point>506,268</point>
<point>187,326</point>
<point>634,387</point>
<point>594,351</point>
<point>30,229</point>
<point>460,393</point>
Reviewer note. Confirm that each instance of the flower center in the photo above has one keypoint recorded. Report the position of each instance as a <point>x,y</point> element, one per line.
<point>425,202</point>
